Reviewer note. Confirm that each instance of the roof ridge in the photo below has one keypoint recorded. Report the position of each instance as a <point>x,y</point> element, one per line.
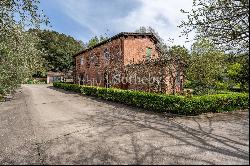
<point>114,37</point>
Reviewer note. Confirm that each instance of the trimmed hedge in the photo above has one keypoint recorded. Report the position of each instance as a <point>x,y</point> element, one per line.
<point>162,102</point>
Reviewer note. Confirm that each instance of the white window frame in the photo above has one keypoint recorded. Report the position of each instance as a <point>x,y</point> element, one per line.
<point>81,61</point>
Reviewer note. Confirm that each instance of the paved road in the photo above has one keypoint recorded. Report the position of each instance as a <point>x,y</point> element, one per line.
<point>44,125</point>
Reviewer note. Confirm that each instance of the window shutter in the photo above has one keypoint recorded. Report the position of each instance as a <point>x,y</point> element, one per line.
<point>148,53</point>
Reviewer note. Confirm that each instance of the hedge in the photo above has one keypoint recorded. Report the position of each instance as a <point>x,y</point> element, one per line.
<point>162,102</point>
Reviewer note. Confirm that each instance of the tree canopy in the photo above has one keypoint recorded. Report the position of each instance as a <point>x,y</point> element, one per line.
<point>95,40</point>
<point>225,22</point>
<point>22,12</point>
<point>207,65</point>
<point>19,57</point>
<point>58,49</point>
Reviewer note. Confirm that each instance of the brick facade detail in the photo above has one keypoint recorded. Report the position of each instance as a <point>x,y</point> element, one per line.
<point>108,63</point>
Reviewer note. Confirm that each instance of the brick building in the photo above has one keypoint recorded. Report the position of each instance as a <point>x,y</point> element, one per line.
<point>125,61</point>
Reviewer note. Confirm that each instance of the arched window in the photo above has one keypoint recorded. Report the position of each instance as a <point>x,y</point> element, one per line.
<point>81,61</point>
<point>106,54</point>
<point>97,63</point>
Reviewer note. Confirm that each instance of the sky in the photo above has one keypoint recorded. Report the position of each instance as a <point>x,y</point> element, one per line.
<point>84,19</point>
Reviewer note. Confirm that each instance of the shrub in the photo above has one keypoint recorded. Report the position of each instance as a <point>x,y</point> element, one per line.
<point>68,87</point>
<point>165,103</point>
<point>34,81</point>
<point>221,86</point>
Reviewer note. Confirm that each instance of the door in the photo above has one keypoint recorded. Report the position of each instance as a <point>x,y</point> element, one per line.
<point>106,79</point>
<point>81,79</point>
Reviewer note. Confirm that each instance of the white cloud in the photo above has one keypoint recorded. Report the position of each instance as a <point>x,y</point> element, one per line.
<point>162,15</point>
<point>167,10</point>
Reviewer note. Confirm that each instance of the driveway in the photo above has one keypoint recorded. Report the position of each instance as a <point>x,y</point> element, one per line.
<point>44,125</point>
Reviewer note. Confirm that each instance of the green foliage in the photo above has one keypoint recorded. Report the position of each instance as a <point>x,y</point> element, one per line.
<point>175,52</point>
<point>96,40</point>
<point>34,81</point>
<point>180,53</point>
<point>207,66</point>
<point>162,47</point>
<point>149,29</point>
<point>233,70</point>
<point>164,103</point>
<point>68,87</point>
<point>238,72</point>
<point>25,13</point>
<point>226,22</point>
<point>221,86</point>
<point>188,84</point>
<point>42,73</point>
<point>226,25</point>
<point>58,49</point>
<point>19,57</point>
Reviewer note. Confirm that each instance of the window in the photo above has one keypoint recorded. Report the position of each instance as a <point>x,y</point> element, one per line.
<point>94,59</point>
<point>178,77</point>
<point>97,60</point>
<point>91,58</point>
<point>106,54</point>
<point>81,61</point>
<point>148,53</point>
<point>87,62</point>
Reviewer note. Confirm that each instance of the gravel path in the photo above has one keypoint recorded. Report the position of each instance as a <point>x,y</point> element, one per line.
<point>44,125</point>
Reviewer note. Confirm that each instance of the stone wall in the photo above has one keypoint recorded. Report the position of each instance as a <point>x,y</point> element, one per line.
<point>115,64</point>
<point>98,62</point>
<point>135,49</point>
<point>156,76</point>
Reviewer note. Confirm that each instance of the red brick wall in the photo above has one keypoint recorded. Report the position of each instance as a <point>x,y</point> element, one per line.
<point>92,70</point>
<point>123,51</point>
<point>135,49</point>
<point>132,47</point>
<point>156,77</point>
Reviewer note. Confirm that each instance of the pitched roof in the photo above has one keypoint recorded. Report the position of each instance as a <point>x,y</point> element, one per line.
<point>151,35</point>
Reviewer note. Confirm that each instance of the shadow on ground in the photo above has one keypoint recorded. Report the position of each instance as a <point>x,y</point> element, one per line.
<point>118,105</point>
<point>123,135</point>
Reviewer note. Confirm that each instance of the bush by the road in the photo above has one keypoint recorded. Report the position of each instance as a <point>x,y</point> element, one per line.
<point>68,87</point>
<point>162,102</point>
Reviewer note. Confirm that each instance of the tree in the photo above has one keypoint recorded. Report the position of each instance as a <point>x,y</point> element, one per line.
<point>96,40</point>
<point>179,60</point>
<point>58,49</point>
<point>93,41</point>
<point>180,53</point>
<point>142,29</point>
<point>207,66</point>
<point>162,47</point>
<point>238,72</point>
<point>225,22</point>
<point>21,12</point>
<point>149,29</point>
<point>172,58</point>
<point>19,57</point>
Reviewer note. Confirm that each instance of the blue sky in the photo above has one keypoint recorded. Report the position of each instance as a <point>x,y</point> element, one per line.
<point>84,19</point>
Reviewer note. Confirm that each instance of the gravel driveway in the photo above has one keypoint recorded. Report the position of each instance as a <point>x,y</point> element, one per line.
<point>44,125</point>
